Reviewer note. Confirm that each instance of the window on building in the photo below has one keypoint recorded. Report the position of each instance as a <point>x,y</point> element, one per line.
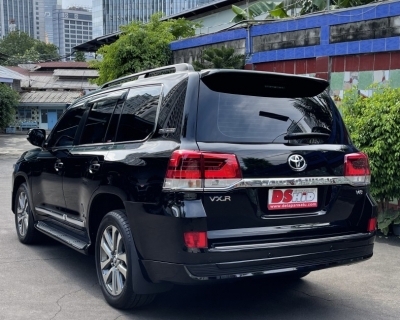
<point>24,113</point>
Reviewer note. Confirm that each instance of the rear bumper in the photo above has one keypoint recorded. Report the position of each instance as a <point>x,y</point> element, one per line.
<point>302,257</point>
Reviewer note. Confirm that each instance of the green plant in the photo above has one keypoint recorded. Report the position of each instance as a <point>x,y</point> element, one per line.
<point>140,46</point>
<point>8,102</point>
<point>274,10</point>
<point>386,218</point>
<point>220,58</point>
<point>21,48</point>
<point>80,56</point>
<point>373,122</point>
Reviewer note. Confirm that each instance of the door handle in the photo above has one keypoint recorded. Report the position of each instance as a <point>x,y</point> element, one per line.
<point>58,165</point>
<point>94,167</point>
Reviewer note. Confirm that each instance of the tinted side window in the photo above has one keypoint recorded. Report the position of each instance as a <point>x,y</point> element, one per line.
<point>64,133</point>
<point>171,111</point>
<point>100,114</point>
<point>138,115</point>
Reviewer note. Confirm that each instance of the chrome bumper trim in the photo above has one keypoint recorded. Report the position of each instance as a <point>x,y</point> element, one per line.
<point>288,243</point>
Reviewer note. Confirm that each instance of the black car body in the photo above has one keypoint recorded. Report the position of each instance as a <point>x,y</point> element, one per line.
<point>213,175</point>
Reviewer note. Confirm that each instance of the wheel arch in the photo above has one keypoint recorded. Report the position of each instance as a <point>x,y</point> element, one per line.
<point>18,180</point>
<point>101,203</point>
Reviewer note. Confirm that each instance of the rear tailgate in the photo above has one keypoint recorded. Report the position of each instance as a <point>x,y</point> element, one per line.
<point>291,146</point>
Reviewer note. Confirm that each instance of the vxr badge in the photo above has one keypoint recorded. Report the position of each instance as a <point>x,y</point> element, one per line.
<point>216,198</point>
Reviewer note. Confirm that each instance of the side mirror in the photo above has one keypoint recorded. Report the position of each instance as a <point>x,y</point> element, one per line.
<point>36,137</point>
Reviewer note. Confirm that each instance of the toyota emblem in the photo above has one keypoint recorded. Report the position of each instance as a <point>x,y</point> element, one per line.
<point>297,162</point>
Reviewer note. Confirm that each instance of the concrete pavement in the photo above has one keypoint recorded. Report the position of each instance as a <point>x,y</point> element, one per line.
<point>51,281</point>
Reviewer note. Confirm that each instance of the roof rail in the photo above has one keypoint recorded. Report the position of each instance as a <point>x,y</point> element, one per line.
<point>150,73</point>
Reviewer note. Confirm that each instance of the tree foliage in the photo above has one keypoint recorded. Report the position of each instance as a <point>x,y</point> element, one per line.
<point>280,10</point>
<point>140,46</point>
<point>220,58</point>
<point>274,10</point>
<point>373,124</point>
<point>8,103</point>
<point>21,48</point>
<point>80,56</point>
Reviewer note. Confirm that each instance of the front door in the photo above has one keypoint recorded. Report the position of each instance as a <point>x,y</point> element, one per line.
<point>49,168</point>
<point>51,119</point>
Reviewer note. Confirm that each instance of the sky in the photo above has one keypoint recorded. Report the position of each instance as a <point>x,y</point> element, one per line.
<point>79,3</point>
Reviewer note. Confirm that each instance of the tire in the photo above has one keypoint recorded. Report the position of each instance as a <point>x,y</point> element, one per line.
<point>114,244</point>
<point>24,222</point>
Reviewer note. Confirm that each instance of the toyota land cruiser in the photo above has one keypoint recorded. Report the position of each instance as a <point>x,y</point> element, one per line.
<point>175,176</point>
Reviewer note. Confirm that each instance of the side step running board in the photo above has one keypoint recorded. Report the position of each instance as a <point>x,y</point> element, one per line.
<point>69,240</point>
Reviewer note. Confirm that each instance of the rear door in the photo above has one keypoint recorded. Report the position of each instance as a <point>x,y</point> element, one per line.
<point>291,145</point>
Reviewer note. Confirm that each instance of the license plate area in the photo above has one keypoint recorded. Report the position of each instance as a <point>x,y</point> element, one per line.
<point>292,198</point>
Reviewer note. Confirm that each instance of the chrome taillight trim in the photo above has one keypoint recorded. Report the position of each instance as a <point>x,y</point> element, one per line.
<point>286,182</point>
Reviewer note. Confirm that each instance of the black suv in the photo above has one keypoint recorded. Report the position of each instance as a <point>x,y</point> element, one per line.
<point>180,177</point>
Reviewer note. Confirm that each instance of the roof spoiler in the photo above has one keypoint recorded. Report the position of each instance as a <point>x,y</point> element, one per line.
<point>264,84</point>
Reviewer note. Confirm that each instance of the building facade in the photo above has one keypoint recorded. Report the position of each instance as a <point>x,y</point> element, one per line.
<point>109,15</point>
<point>22,15</point>
<point>71,27</point>
<point>47,90</point>
<point>349,47</point>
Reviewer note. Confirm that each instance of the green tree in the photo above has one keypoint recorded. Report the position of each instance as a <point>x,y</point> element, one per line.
<point>373,124</point>
<point>140,46</point>
<point>8,103</point>
<point>80,56</point>
<point>21,48</point>
<point>220,58</point>
<point>280,10</point>
<point>273,10</point>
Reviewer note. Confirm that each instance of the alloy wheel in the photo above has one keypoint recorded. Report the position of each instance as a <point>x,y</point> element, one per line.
<point>113,262</point>
<point>23,214</point>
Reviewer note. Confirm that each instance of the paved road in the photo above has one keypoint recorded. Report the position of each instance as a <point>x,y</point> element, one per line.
<point>51,281</point>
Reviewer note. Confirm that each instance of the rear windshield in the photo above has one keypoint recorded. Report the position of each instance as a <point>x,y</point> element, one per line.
<point>234,118</point>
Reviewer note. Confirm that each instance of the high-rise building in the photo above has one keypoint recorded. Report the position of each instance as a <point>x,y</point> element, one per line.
<point>50,19</point>
<point>108,15</point>
<point>71,27</point>
<point>22,15</point>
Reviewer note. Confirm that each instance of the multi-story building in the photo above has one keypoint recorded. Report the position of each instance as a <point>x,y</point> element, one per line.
<point>22,15</point>
<point>109,15</point>
<point>71,27</point>
<point>50,7</point>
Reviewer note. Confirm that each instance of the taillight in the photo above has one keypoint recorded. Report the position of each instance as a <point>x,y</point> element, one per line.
<point>196,239</point>
<point>356,168</point>
<point>371,225</point>
<point>195,170</point>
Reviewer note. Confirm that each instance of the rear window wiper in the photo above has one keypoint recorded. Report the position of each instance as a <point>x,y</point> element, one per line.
<point>309,135</point>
